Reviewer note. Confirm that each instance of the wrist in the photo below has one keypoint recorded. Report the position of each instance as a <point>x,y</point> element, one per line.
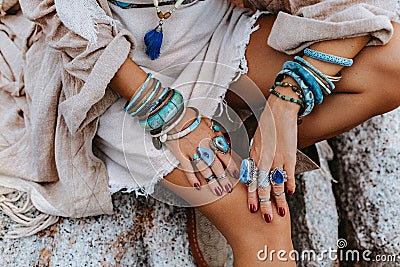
<point>290,107</point>
<point>188,119</point>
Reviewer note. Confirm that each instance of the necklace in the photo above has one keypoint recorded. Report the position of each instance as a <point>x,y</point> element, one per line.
<point>154,38</point>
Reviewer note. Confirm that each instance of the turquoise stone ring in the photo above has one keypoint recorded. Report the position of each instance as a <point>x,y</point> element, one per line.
<point>219,143</point>
<point>278,176</point>
<point>207,155</point>
<point>248,172</point>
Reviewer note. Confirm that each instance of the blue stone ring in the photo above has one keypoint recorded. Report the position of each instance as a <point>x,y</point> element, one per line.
<point>219,143</point>
<point>207,155</point>
<point>248,172</point>
<point>278,176</point>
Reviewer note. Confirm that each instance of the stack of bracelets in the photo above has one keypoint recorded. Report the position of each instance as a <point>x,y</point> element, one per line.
<point>159,110</point>
<point>312,83</point>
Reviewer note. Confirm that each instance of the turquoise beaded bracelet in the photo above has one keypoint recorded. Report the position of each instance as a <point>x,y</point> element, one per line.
<point>289,99</point>
<point>342,61</point>
<point>307,93</point>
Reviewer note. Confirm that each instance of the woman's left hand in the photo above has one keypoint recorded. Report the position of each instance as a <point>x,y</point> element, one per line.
<point>284,119</point>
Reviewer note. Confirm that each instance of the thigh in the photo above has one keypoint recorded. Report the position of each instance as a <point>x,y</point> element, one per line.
<point>247,233</point>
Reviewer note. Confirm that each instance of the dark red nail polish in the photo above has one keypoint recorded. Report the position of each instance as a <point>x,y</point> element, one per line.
<point>281,212</point>
<point>235,174</point>
<point>197,186</point>
<point>228,188</point>
<point>267,218</point>
<point>290,192</point>
<point>253,208</point>
<point>218,191</point>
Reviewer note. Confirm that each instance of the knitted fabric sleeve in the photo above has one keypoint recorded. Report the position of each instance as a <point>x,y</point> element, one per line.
<point>92,50</point>
<point>302,23</point>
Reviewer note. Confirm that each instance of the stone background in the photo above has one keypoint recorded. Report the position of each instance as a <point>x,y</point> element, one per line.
<point>362,207</point>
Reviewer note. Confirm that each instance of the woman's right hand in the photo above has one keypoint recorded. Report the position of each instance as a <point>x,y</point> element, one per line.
<point>185,148</point>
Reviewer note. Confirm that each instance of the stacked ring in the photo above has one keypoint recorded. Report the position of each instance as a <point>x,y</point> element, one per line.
<point>210,178</point>
<point>222,177</point>
<point>279,194</point>
<point>248,172</point>
<point>278,176</point>
<point>264,200</point>
<point>263,179</point>
<point>219,143</point>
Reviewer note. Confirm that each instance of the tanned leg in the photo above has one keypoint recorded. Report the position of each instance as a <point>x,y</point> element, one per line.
<point>246,232</point>
<point>368,88</point>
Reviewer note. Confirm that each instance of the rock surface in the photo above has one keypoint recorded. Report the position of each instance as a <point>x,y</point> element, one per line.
<point>143,232</point>
<point>314,216</point>
<point>367,167</point>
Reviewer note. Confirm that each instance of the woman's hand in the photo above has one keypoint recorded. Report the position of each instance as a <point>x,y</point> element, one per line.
<point>268,156</point>
<point>185,148</point>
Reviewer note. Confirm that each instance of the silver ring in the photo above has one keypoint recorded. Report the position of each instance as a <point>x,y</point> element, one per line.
<point>279,194</point>
<point>248,172</point>
<point>278,176</point>
<point>219,143</point>
<point>264,200</point>
<point>263,179</point>
<point>222,176</point>
<point>210,178</point>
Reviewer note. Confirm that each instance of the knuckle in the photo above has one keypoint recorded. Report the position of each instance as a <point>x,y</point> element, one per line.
<point>278,188</point>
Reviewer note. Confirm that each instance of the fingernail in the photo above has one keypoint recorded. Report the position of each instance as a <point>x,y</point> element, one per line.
<point>228,188</point>
<point>197,186</point>
<point>290,192</point>
<point>218,191</point>
<point>236,174</point>
<point>281,212</point>
<point>267,218</point>
<point>253,208</point>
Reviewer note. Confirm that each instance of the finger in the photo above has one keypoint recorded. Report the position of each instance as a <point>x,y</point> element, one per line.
<point>278,191</point>
<point>222,178</point>
<point>206,172</point>
<point>252,197</point>
<point>290,165</point>
<point>230,164</point>
<point>188,169</point>
<point>264,196</point>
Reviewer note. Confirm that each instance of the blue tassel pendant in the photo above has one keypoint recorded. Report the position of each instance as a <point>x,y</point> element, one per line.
<point>153,41</point>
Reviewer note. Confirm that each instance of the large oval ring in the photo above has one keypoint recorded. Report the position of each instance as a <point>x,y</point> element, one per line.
<point>210,178</point>
<point>248,172</point>
<point>263,179</point>
<point>219,143</point>
<point>207,155</point>
<point>278,176</point>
